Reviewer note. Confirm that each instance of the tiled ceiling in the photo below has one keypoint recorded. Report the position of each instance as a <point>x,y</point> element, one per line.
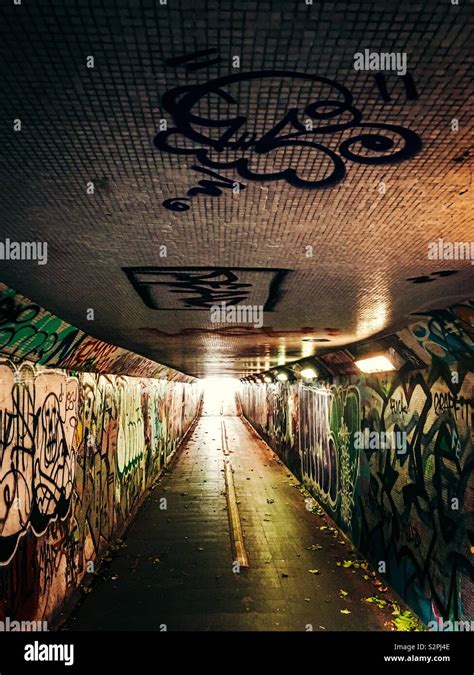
<point>369,227</point>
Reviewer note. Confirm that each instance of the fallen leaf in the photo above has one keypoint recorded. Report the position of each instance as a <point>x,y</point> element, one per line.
<point>344,611</point>
<point>376,601</point>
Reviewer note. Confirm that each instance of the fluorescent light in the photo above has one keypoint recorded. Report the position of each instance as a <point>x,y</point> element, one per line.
<point>282,376</point>
<point>375,364</point>
<point>308,373</point>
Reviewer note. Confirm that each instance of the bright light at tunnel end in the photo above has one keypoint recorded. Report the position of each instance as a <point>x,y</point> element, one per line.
<point>375,364</point>
<point>218,392</point>
<point>217,383</point>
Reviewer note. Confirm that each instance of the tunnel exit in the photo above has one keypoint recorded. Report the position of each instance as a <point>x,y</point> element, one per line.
<point>219,395</point>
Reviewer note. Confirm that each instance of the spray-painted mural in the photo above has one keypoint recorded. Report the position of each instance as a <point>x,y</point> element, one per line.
<point>409,504</point>
<point>29,332</point>
<point>77,452</point>
<point>273,411</point>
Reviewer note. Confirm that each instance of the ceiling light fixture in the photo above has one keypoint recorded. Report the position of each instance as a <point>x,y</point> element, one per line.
<point>282,376</point>
<point>375,364</point>
<point>308,373</point>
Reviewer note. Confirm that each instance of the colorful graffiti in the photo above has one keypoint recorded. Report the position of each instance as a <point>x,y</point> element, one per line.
<point>329,461</point>
<point>28,332</point>
<point>410,509</point>
<point>273,411</point>
<point>37,420</point>
<point>448,334</point>
<point>77,452</point>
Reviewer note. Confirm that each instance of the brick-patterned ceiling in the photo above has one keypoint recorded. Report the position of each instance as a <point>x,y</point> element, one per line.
<point>369,230</point>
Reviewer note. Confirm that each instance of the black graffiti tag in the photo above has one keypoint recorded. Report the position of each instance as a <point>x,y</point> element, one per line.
<point>201,136</point>
<point>220,285</point>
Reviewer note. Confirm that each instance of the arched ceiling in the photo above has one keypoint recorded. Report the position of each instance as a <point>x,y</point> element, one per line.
<point>307,215</point>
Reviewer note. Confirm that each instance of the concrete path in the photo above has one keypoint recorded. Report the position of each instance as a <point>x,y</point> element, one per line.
<point>176,570</point>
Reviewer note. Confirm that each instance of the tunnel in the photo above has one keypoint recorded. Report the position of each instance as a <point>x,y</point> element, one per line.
<point>236,329</point>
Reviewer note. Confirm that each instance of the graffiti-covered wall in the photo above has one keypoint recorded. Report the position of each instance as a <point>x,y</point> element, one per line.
<point>30,332</point>
<point>77,452</point>
<point>409,500</point>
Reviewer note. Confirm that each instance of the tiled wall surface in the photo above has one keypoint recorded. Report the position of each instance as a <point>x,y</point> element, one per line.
<point>78,450</point>
<point>413,508</point>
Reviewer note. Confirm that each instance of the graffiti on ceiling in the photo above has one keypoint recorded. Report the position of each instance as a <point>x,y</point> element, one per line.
<point>199,288</point>
<point>230,140</point>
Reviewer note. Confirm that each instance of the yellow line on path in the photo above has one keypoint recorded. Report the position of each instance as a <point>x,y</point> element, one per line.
<point>237,539</point>
<point>225,444</point>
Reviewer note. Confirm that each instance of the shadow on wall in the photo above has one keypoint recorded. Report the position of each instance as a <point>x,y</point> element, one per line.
<point>407,504</point>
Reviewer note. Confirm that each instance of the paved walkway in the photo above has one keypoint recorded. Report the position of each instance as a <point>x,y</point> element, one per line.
<point>176,568</point>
